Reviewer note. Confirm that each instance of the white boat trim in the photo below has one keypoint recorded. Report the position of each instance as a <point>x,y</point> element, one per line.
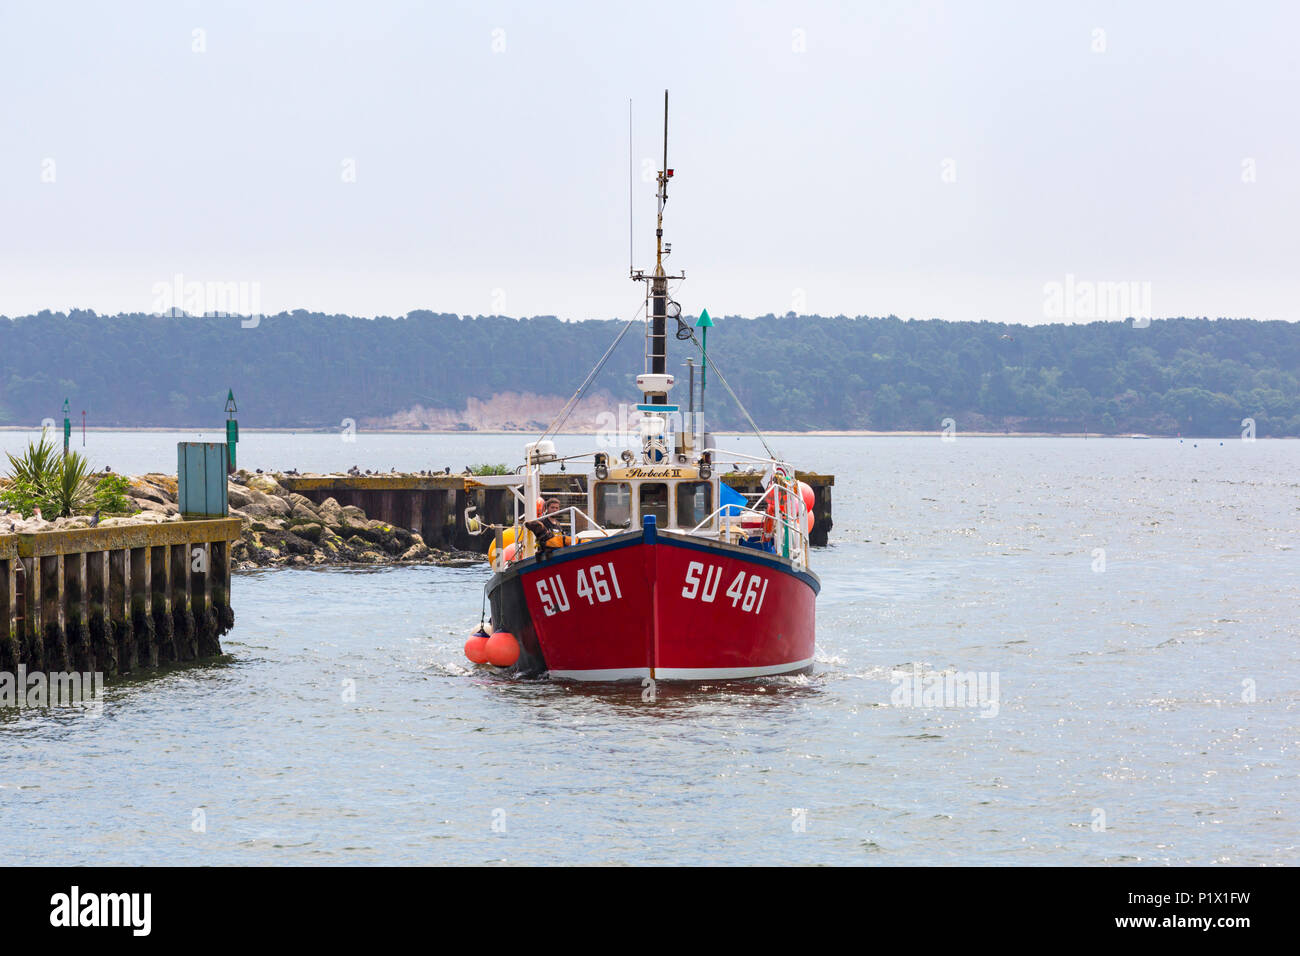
<point>681,673</point>
<point>722,673</point>
<point>604,674</point>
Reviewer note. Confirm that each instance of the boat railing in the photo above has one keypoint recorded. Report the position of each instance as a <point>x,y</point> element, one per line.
<point>526,544</point>
<point>786,525</point>
<point>574,514</point>
<point>789,530</point>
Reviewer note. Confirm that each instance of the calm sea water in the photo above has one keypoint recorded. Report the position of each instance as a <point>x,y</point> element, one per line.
<point>1136,601</point>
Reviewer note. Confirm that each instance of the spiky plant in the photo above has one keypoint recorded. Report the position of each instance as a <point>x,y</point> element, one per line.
<point>37,465</point>
<point>40,477</point>
<point>71,488</point>
<point>31,477</point>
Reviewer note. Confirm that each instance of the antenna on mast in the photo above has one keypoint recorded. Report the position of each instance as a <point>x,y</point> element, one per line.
<point>631,258</point>
<point>665,132</point>
<point>664,174</point>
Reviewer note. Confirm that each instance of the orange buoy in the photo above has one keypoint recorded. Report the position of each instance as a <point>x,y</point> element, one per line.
<point>502,649</point>
<point>809,496</point>
<point>476,647</point>
<point>507,537</point>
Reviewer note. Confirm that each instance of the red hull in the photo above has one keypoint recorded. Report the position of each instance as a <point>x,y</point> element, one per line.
<point>663,606</point>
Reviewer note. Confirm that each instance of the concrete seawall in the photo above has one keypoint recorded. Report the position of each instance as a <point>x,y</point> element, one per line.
<point>434,505</point>
<point>117,599</point>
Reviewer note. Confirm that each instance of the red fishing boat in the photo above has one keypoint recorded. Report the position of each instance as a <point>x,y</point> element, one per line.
<point>649,566</point>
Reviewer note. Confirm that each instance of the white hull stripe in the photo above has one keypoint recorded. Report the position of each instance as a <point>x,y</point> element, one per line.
<point>721,673</point>
<point>682,673</point>
<point>612,673</point>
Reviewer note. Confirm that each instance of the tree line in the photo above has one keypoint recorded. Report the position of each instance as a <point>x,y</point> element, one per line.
<point>1190,376</point>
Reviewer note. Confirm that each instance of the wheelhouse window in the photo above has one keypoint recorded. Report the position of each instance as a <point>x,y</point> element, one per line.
<point>654,501</point>
<point>613,504</point>
<point>694,503</point>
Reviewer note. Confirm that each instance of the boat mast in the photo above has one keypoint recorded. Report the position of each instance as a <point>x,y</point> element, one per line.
<point>655,382</point>
<point>659,285</point>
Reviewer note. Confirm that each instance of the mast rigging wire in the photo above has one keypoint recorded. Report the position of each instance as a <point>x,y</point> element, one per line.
<point>739,404</point>
<point>572,403</point>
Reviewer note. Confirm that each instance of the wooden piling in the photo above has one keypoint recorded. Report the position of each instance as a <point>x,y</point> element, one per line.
<point>142,629</point>
<point>219,584</point>
<point>76,617</point>
<point>185,635</point>
<point>102,643</point>
<point>160,602</point>
<point>206,624</point>
<point>119,616</point>
<point>10,639</point>
<point>33,644</point>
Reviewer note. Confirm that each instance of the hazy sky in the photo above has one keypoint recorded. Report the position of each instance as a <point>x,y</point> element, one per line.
<point>922,159</point>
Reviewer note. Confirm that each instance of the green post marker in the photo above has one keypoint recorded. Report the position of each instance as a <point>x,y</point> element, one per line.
<point>705,323</point>
<point>67,428</point>
<point>232,431</point>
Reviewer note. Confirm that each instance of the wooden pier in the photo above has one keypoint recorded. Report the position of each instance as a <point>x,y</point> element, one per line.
<point>434,506</point>
<point>115,600</point>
